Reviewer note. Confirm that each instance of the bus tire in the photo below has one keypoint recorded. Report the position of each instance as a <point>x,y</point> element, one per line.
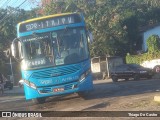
<point>83,94</point>
<point>39,100</point>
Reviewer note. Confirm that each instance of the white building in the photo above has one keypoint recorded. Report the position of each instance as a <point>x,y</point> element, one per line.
<point>154,30</point>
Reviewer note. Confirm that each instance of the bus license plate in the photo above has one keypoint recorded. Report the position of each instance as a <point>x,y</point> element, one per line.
<point>58,89</point>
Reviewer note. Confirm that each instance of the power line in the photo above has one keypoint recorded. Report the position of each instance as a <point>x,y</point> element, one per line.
<point>8,15</point>
<point>35,2</point>
<point>13,3</point>
<point>25,5</point>
<point>5,3</point>
<point>31,2</point>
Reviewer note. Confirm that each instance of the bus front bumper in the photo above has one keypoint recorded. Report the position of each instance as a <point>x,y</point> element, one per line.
<point>69,88</point>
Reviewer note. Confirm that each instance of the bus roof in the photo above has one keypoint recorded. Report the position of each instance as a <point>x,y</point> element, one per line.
<point>44,17</point>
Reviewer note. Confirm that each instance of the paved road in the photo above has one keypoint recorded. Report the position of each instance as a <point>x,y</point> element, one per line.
<point>16,92</point>
<point>106,96</point>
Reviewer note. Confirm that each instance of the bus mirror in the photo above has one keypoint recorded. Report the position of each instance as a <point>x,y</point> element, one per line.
<point>90,37</point>
<point>14,49</point>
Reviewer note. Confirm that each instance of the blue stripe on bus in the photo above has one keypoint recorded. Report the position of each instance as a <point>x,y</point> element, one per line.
<point>50,29</point>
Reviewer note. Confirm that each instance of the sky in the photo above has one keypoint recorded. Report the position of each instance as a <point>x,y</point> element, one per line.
<point>27,5</point>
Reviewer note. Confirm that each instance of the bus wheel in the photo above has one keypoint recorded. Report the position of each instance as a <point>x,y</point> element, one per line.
<point>39,100</point>
<point>83,94</point>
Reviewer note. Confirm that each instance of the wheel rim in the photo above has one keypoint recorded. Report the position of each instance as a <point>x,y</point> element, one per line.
<point>157,69</point>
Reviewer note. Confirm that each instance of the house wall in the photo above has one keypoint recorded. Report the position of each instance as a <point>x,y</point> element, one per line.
<point>147,34</point>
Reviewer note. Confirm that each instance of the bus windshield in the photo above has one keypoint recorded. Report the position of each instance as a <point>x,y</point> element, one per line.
<point>55,48</point>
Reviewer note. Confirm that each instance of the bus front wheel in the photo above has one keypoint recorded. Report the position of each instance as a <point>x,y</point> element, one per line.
<point>83,94</point>
<point>39,100</point>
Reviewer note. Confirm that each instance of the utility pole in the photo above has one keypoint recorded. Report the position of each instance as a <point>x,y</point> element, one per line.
<point>11,68</point>
<point>12,75</point>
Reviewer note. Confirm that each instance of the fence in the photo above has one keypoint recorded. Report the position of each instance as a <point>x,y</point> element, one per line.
<point>102,66</point>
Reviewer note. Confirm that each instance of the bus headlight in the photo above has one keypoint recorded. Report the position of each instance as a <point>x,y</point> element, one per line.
<point>26,82</point>
<point>24,65</point>
<point>84,75</point>
<point>30,84</point>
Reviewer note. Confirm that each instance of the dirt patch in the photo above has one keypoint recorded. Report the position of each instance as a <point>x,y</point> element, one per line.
<point>138,104</point>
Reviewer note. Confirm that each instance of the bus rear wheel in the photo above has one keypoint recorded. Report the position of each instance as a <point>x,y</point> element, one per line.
<point>39,100</point>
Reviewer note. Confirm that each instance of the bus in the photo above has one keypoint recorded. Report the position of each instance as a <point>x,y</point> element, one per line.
<point>54,56</point>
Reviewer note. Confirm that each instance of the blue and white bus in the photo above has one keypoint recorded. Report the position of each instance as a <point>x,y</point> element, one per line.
<point>54,56</point>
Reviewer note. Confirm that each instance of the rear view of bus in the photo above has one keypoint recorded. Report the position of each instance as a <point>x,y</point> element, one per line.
<point>54,56</point>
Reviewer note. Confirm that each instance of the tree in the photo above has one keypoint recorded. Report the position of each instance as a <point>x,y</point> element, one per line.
<point>9,18</point>
<point>153,43</point>
<point>115,23</point>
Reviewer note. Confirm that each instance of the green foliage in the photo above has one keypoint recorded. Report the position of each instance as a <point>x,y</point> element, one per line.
<point>8,31</point>
<point>114,23</point>
<point>153,44</point>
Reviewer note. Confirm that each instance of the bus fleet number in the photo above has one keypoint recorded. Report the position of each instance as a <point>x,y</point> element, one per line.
<point>31,26</point>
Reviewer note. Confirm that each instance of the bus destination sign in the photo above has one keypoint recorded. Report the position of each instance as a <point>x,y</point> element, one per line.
<point>49,22</point>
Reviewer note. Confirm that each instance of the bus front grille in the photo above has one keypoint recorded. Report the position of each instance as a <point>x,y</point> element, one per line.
<point>54,72</point>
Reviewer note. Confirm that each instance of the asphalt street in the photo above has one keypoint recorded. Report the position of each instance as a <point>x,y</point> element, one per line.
<point>105,96</point>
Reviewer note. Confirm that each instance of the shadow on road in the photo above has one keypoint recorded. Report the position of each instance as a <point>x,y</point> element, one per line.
<point>97,106</point>
<point>108,89</point>
<point>102,89</point>
<point>124,88</point>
